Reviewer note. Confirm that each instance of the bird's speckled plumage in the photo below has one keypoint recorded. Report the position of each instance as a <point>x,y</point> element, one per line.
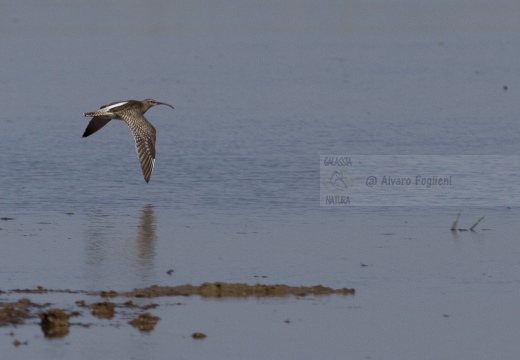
<point>132,113</point>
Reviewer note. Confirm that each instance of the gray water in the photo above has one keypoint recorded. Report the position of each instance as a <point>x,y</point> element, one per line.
<point>260,91</point>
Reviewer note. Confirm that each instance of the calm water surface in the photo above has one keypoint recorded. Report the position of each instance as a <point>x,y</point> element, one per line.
<point>259,94</point>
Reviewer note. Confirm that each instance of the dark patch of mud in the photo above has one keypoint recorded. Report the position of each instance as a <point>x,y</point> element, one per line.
<point>16,313</point>
<point>19,343</point>
<point>198,336</point>
<point>42,290</point>
<point>226,290</point>
<point>101,310</point>
<point>145,322</point>
<point>55,323</point>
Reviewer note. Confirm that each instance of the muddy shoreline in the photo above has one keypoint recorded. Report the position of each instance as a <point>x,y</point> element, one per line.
<point>55,322</point>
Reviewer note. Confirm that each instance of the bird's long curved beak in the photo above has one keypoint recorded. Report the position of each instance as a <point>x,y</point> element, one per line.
<point>161,103</point>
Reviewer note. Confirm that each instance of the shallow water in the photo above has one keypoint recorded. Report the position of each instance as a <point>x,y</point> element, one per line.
<point>260,92</point>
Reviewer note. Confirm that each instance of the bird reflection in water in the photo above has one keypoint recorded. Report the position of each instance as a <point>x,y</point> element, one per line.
<point>121,252</point>
<point>146,235</point>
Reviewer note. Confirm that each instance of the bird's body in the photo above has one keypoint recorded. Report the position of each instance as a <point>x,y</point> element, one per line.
<point>132,113</point>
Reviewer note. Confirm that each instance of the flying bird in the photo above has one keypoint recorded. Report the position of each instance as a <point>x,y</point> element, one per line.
<point>132,113</point>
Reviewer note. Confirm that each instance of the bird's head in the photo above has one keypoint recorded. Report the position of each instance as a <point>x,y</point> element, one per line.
<point>148,103</point>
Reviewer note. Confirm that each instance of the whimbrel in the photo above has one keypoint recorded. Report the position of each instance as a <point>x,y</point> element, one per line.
<point>132,113</point>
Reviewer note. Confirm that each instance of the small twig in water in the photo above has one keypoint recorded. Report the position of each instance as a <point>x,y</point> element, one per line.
<point>456,222</point>
<point>475,224</point>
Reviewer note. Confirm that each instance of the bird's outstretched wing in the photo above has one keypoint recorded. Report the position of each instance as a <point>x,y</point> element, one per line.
<point>95,124</point>
<point>144,135</point>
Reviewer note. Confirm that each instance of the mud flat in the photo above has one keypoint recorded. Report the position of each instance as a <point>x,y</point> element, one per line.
<point>56,323</point>
<point>226,290</point>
